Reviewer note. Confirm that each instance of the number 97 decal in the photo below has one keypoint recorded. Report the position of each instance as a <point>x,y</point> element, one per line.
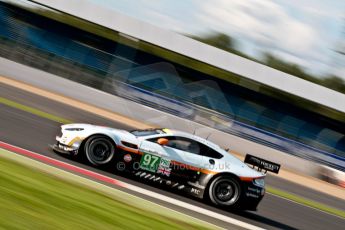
<point>149,162</point>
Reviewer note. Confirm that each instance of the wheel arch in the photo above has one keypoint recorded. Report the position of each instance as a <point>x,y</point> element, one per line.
<point>82,144</point>
<point>206,193</point>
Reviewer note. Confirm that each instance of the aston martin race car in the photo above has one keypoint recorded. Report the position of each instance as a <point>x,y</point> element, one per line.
<point>176,159</point>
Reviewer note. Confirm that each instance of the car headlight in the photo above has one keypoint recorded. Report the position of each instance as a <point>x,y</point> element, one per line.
<point>260,182</point>
<point>74,129</point>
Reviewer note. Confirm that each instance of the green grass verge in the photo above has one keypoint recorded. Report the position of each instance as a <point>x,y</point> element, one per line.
<point>33,111</point>
<point>30,199</point>
<point>306,202</point>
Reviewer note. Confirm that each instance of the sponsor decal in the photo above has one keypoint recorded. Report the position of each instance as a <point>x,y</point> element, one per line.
<point>155,164</point>
<point>261,163</point>
<point>164,167</point>
<point>195,191</point>
<point>145,150</point>
<point>255,191</point>
<point>165,163</point>
<point>127,158</point>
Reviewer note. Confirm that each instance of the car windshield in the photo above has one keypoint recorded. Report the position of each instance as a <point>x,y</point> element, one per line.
<point>147,132</point>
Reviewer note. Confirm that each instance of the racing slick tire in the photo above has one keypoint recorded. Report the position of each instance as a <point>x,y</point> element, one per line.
<point>225,191</point>
<point>99,150</point>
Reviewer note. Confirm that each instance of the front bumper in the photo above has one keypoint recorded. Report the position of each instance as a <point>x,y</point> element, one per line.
<point>64,149</point>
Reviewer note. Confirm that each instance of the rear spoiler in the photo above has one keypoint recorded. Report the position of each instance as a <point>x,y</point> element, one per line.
<point>262,164</point>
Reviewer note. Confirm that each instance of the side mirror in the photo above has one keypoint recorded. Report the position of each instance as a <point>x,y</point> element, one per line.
<point>162,141</point>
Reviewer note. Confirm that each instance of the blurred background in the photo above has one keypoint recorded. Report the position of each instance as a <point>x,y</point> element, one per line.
<point>301,39</point>
<point>265,77</point>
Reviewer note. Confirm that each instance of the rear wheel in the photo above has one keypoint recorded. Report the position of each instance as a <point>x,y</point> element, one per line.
<point>99,150</point>
<point>225,191</point>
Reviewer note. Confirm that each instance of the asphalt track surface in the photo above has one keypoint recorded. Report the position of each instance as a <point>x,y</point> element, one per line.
<point>34,133</point>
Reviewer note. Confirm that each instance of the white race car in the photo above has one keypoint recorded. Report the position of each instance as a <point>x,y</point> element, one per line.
<point>179,160</point>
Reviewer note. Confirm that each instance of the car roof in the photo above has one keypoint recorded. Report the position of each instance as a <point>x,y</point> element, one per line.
<point>174,132</point>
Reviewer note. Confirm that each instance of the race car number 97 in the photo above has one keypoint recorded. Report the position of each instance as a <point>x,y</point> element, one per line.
<point>150,162</point>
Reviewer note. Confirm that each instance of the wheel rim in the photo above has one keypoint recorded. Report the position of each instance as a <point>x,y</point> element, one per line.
<point>100,151</point>
<point>226,192</point>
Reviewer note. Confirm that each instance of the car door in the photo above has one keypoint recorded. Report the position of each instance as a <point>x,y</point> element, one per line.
<point>158,158</point>
<point>188,163</point>
<point>180,151</point>
<point>189,150</point>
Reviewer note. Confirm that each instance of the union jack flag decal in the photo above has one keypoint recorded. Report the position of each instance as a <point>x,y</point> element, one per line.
<point>165,171</point>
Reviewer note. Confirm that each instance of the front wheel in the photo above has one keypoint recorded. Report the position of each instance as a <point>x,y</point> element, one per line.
<point>99,150</point>
<point>225,191</point>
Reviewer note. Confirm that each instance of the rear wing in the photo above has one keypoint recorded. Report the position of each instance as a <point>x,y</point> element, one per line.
<point>262,164</point>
